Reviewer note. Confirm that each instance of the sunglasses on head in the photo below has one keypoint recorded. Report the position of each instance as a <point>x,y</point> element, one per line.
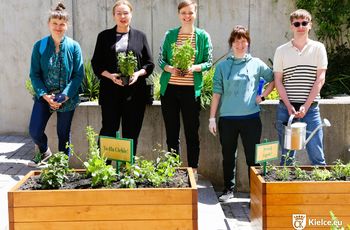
<point>303,23</point>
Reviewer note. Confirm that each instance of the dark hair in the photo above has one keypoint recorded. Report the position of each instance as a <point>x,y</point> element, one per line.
<point>121,2</point>
<point>59,12</point>
<point>185,3</point>
<point>237,33</point>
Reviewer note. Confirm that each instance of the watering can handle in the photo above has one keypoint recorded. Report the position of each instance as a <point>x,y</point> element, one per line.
<point>290,120</point>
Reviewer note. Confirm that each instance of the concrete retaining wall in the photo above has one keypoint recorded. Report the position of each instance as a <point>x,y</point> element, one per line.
<point>24,22</point>
<point>336,138</point>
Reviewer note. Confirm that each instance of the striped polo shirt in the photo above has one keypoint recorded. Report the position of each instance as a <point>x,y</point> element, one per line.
<point>187,79</point>
<point>299,68</point>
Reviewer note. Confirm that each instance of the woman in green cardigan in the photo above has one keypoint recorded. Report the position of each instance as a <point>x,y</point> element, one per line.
<point>181,92</point>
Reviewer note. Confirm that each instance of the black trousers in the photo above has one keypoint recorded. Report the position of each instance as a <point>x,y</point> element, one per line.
<point>250,132</point>
<point>128,108</point>
<point>181,99</point>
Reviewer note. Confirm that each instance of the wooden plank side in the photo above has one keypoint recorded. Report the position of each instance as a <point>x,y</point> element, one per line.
<point>103,196</point>
<point>116,225</point>
<point>318,187</point>
<point>107,212</point>
<point>314,210</point>
<point>286,222</point>
<point>322,199</point>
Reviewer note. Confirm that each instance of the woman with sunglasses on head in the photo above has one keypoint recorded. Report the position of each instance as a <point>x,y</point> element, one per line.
<point>300,68</point>
<point>56,73</point>
<point>235,95</point>
<point>180,93</point>
<point>125,103</point>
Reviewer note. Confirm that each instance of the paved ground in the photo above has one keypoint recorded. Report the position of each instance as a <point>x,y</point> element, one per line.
<point>16,151</point>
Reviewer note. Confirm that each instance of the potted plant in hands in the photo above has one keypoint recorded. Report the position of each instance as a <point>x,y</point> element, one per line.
<point>127,64</point>
<point>182,56</point>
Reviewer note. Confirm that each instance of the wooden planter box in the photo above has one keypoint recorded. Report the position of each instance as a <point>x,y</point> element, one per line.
<point>143,208</point>
<point>274,203</point>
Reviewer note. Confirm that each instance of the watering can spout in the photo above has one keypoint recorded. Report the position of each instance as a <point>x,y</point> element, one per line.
<point>325,123</point>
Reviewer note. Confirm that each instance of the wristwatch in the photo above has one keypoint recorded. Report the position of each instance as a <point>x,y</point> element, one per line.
<point>262,98</point>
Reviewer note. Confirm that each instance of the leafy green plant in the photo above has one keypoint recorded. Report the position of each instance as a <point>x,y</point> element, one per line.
<point>318,174</point>
<point>29,87</point>
<point>154,173</point>
<point>96,167</point>
<point>301,174</point>
<point>207,89</point>
<point>127,63</point>
<point>336,223</point>
<point>182,56</point>
<point>283,173</point>
<point>91,85</point>
<point>56,172</point>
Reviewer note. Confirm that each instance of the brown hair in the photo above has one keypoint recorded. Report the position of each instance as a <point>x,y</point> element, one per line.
<point>237,33</point>
<point>122,2</point>
<point>300,13</point>
<point>59,12</point>
<point>185,3</point>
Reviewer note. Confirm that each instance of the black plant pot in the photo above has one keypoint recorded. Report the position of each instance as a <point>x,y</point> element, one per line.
<point>125,80</point>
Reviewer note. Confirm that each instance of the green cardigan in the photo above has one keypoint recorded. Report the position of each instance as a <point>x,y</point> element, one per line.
<point>203,57</point>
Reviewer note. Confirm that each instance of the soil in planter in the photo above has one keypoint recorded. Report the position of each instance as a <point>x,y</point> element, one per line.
<point>80,181</point>
<point>272,177</point>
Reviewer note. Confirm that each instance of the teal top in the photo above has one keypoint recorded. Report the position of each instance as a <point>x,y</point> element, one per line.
<point>237,81</point>
<point>60,72</point>
<point>203,56</point>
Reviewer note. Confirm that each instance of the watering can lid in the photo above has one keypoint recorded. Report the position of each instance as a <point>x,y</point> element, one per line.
<point>298,125</point>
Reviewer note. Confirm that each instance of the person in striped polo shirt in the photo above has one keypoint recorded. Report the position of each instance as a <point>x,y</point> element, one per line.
<point>300,68</point>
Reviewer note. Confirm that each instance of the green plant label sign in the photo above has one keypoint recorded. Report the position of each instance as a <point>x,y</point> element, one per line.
<point>118,149</point>
<point>266,151</point>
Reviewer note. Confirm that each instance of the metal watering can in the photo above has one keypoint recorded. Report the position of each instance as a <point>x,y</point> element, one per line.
<point>295,134</point>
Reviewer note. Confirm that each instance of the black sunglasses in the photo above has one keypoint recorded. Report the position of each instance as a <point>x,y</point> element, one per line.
<point>303,23</point>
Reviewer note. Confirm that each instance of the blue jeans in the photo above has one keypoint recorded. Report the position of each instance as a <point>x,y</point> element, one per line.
<point>314,147</point>
<point>38,121</point>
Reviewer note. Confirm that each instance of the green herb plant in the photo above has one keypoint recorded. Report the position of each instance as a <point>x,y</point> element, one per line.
<point>153,173</point>
<point>182,56</point>
<point>127,63</point>
<point>283,173</point>
<point>301,174</point>
<point>55,174</point>
<point>91,85</point>
<point>336,223</point>
<point>318,174</point>
<point>96,167</point>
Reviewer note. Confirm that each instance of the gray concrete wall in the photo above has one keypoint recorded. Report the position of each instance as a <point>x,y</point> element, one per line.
<point>336,138</point>
<point>24,22</point>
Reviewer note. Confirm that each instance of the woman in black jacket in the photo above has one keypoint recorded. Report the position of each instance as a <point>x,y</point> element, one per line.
<point>125,103</point>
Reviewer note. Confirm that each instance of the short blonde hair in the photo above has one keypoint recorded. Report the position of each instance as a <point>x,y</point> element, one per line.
<point>122,2</point>
<point>300,13</point>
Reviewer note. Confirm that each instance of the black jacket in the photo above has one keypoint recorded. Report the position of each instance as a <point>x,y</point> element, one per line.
<point>105,58</point>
